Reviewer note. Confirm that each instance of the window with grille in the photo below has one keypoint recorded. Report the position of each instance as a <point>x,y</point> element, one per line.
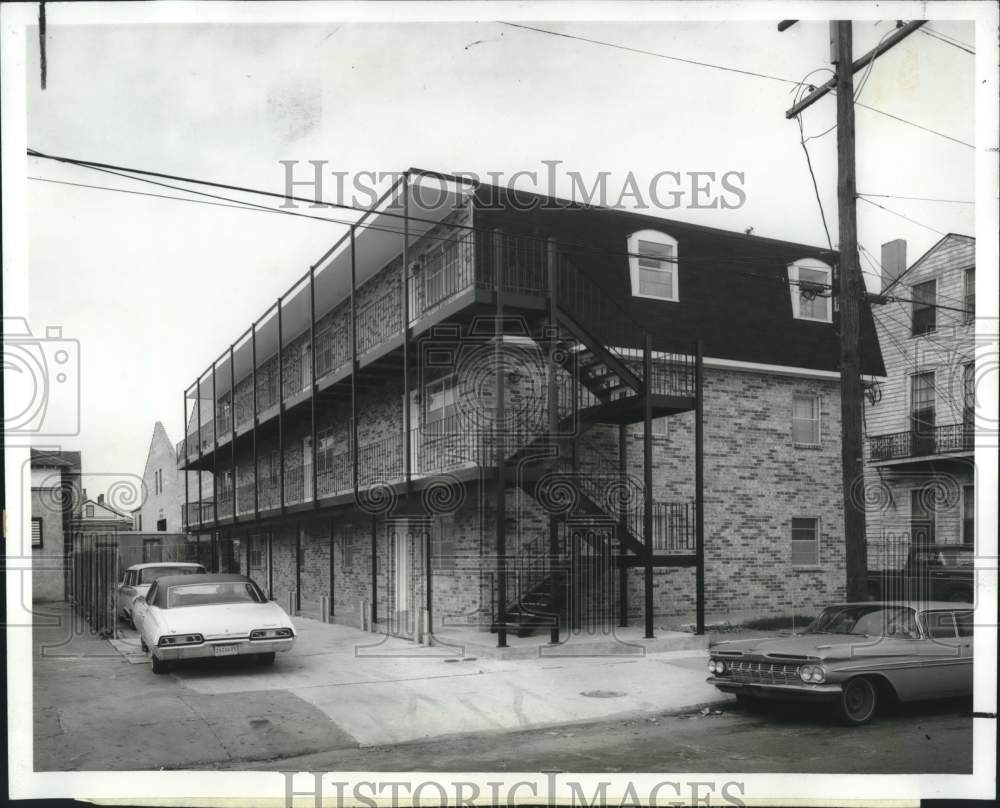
<point>970,295</point>
<point>256,558</point>
<point>653,265</point>
<point>811,283</point>
<point>969,396</point>
<point>922,517</point>
<point>348,547</point>
<point>805,420</point>
<point>968,514</point>
<point>36,531</point>
<point>443,544</point>
<point>922,412</point>
<point>152,551</point>
<point>924,309</point>
<point>805,542</point>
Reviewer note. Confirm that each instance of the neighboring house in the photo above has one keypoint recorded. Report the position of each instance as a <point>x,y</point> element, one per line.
<point>55,488</point>
<point>97,516</point>
<point>164,487</point>
<point>920,481</point>
<point>386,486</point>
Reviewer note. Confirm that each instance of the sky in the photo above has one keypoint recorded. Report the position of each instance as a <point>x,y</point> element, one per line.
<point>155,289</point>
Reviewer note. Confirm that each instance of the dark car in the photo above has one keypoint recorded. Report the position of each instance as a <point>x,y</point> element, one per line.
<point>931,572</point>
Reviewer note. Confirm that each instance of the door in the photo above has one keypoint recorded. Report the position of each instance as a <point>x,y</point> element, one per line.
<point>922,415</point>
<point>401,619</point>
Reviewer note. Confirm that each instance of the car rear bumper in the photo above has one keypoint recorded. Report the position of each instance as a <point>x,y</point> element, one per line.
<point>803,692</point>
<point>207,649</point>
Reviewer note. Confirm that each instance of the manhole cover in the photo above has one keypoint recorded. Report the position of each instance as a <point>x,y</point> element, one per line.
<point>602,694</point>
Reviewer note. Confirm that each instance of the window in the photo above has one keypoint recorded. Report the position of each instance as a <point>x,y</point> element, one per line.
<point>440,400</point>
<point>805,542</point>
<point>152,550</point>
<point>653,265</point>
<point>970,295</point>
<point>88,511</point>
<point>443,543</point>
<point>922,415</point>
<point>36,531</point>
<point>968,514</point>
<point>256,558</point>
<point>940,625</point>
<point>924,311</point>
<point>811,282</point>
<point>347,546</point>
<point>969,398</point>
<point>805,420</point>
<point>138,523</point>
<point>921,517</point>
<point>161,525</point>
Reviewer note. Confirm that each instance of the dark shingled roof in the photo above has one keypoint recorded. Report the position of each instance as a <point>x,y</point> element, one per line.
<point>733,288</point>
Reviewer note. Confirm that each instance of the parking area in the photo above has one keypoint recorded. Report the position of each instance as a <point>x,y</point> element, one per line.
<point>338,688</point>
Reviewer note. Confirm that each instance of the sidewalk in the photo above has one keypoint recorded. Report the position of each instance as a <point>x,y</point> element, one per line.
<point>338,688</point>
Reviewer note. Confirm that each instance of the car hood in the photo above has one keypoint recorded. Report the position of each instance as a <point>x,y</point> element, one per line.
<point>224,618</point>
<point>803,646</point>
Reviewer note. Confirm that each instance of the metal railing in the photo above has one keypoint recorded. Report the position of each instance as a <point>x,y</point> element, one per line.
<point>443,275</point>
<point>333,347</point>
<point>521,262</point>
<point>938,440</point>
<point>379,320</point>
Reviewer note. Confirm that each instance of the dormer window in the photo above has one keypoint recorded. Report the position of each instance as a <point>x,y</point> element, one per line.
<point>810,282</point>
<point>653,265</point>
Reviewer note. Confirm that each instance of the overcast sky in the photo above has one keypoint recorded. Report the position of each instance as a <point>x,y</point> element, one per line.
<point>154,290</point>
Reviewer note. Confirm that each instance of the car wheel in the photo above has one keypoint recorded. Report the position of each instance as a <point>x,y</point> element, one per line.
<point>857,702</point>
<point>159,665</point>
<point>266,659</point>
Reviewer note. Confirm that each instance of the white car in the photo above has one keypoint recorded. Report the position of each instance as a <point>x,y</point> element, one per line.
<point>197,616</point>
<point>139,577</point>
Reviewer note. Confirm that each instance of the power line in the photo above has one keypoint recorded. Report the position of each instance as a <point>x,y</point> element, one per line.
<point>649,53</point>
<point>917,125</point>
<point>812,174</point>
<point>920,198</point>
<point>947,41</point>
<point>901,216</point>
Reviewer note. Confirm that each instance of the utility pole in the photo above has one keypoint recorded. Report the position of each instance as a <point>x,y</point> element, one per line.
<point>851,289</point>
<point>850,285</point>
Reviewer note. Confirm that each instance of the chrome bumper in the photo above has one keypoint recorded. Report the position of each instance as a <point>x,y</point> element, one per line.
<point>206,650</point>
<point>804,691</point>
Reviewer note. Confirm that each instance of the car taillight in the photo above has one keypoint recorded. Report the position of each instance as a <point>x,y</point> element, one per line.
<point>270,633</point>
<point>180,639</point>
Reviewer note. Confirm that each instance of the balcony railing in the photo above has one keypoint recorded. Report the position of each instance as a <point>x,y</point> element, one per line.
<point>379,320</point>
<point>939,440</point>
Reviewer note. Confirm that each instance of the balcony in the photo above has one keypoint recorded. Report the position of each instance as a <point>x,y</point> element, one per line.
<point>941,440</point>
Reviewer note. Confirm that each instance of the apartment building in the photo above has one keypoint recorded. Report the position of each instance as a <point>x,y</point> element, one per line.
<point>489,409</point>
<point>55,492</point>
<point>920,420</point>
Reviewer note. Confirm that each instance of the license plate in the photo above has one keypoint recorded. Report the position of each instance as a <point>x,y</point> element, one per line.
<point>226,650</point>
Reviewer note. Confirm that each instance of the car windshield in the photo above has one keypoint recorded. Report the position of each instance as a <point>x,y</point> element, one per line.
<point>870,620</point>
<point>150,574</point>
<point>213,592</point>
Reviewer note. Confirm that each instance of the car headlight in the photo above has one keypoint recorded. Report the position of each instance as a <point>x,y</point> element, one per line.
<point>270,633</point>
<point>812,673</point>
<point>720,666</point>
<point>180,639</point>
<point>711,666</point>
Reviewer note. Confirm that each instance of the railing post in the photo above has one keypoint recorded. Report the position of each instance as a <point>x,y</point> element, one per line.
<point>501,460</point>
<point>312,383</point>
<point>215,449</point>
<point>553,394</point>
<point>256,459</point>
<point>281,413</point>
<point>354,372</point>
<point>186,520</point>
<point>647,469</point>
<point>232,425</point>
<point>198,416</point>
<point>407,459</point>
<point>699,485</point>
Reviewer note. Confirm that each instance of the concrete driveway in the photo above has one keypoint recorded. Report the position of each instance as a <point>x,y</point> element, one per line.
<point>338,688</point>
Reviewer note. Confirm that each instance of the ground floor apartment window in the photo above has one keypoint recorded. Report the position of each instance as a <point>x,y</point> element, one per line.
<point>805,541</point>
<point>968,514</point>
